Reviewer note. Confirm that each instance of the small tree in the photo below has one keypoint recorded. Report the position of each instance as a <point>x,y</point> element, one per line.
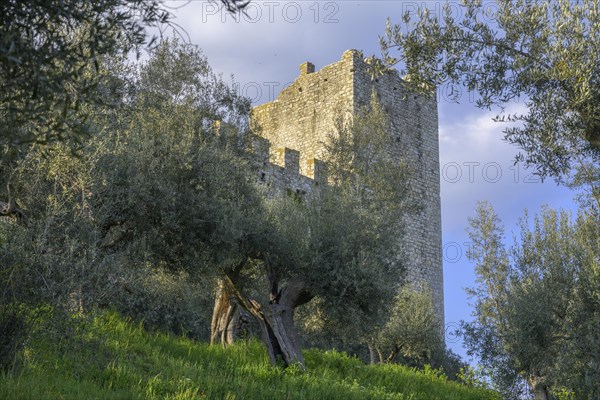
<point>412,330</point>
<point>170,188</point>
<point>528,302</point>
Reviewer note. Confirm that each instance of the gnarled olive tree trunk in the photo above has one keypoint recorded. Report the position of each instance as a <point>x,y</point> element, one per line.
<point>276,321</point>
<point>226,315</point>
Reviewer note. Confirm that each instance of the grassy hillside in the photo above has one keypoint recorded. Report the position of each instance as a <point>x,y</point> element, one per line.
<point>110,358</point>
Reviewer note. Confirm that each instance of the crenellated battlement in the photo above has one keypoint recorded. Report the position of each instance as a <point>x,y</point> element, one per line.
<point>281,169</point>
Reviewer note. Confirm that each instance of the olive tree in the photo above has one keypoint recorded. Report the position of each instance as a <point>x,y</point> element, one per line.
<point>339,248</point>
<point>534,307</point>
<point>411,331</point>
<point>51,76</point>
<point>46,51</point>
<point>148,190</point>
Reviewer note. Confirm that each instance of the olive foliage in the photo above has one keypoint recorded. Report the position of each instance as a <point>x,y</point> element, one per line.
<point>536,303</point>
<point>153,191</point>
<point>50,56</point>
<point>543,52</point>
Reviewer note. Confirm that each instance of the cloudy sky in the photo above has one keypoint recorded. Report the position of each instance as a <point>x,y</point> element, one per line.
<point>263,51</point>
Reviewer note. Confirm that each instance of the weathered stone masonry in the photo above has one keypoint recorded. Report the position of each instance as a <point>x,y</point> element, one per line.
<point>295,127</point>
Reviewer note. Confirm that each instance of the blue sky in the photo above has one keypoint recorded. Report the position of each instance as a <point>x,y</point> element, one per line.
<point>264,49</point>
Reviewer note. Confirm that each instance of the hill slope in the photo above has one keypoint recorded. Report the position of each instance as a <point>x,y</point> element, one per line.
<point>111,358</point>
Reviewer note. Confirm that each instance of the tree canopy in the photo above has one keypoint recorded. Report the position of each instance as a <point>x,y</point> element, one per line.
<point>151,187</point>
<point>50,53</point>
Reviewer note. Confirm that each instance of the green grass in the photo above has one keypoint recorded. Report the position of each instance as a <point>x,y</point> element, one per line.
<point>111,358</point>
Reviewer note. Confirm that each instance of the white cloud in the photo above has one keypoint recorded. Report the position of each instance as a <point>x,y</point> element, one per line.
<point>476,164</point>
<point>271,42</point>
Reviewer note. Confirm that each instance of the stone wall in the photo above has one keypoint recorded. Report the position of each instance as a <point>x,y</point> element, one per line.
<point>294,128</point>
<point>282,172</point>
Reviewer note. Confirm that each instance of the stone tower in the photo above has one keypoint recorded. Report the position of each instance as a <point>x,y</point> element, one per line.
<point>297,123</point>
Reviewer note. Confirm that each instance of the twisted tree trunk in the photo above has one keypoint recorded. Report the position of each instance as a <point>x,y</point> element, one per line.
<point>276,321</point>
<point>225,314</point>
